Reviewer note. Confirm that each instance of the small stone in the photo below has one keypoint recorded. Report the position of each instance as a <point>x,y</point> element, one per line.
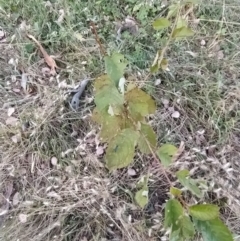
<point>10,111</point>
<point>74,133</point>
<point>203,42</point>
<point>68,169</point>
<point>16,90</point>
<point>131,172</point>
<point>220,54</point>
<point>100,151</point>
<point>157,82</point>
<point>175,114</point>
<point>23,218</point>
<point>54,161</point>
<point>165,102</point>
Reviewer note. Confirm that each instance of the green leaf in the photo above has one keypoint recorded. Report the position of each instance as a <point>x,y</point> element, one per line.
<point>147,137</point>
<point>173,212</point>
<point>131,86</point>
<point>115,110</point>
<point>141,197</point>
<point>106,96</point>
<point>175,236</point>
<point>115,66</point>
<point>106,93</point>
<point>142,13</point>
<point>183,173</point>
<point>140,104</point>
<point>102,81</point>
<point>29,48</point>
<point>161,23</point>
<point>165,154</point>
<point>175,191</point>
<point>187,228</point>
<point>120,151</point>
<point>163,64</point>
<point>204,212</point>
<point>182,32</point>
<point>110,125</point>
<point>189,183</point>
<point>179,223</point>
<point>181,23</point>
<point>172,10</point>
<point>213,230</point>
<point>154,68</point>
<point>137,7</point>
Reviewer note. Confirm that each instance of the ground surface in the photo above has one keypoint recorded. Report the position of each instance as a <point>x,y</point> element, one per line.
<point>53,181</point>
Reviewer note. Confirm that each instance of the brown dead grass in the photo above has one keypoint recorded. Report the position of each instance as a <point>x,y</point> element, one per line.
<point>76,199</point>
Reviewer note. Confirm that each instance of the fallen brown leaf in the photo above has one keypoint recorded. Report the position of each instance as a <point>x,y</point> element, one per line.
<point>48,59</point>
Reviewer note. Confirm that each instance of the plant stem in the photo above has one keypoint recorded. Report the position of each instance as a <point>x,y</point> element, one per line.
<point>165,48</point>
<point>157,160</point>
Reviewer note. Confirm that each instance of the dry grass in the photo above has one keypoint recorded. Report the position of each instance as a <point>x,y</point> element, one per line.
<point>76,198</point>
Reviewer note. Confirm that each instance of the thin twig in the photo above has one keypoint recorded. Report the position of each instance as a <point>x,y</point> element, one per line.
<point>218,21</point>
<point>157,160</point>
<point>48,59</point>
<point>165,48</point>
<point>155,157</point>
<point>158,59</point>
<point>94,31</point>
<point>16,102</point>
